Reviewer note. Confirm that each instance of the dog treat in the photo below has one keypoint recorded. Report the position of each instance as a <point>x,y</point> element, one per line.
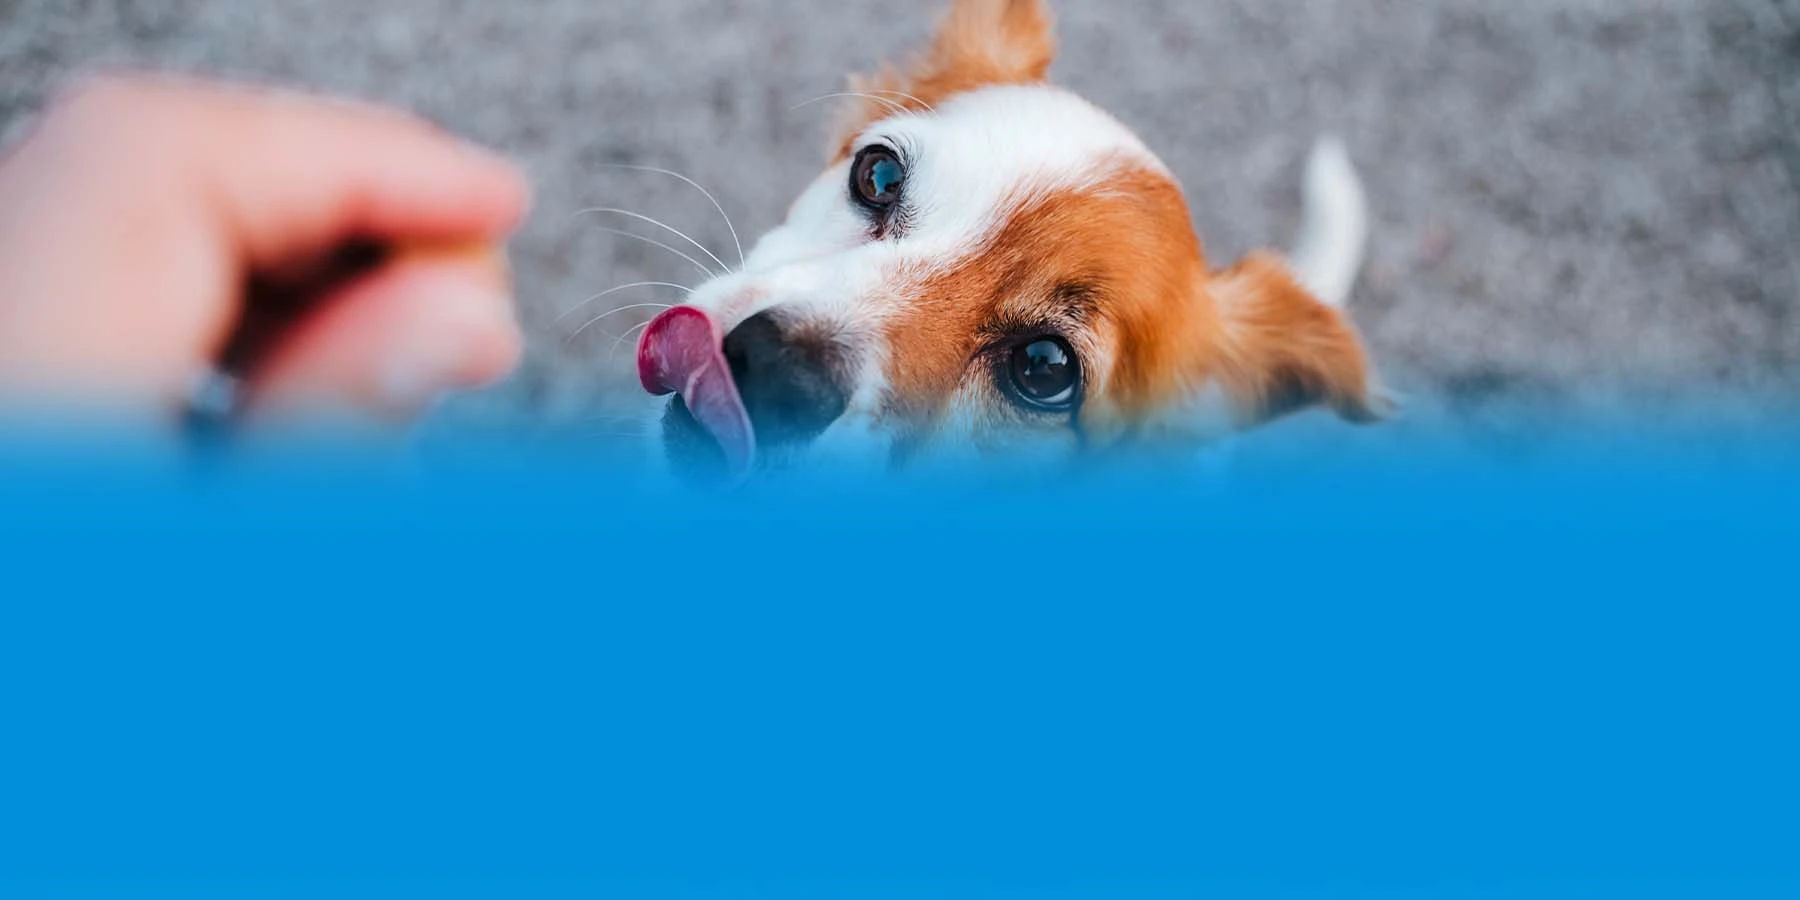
<point>274,301</point>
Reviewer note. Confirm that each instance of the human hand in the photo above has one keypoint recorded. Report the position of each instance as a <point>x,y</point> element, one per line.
<point>135,215</point>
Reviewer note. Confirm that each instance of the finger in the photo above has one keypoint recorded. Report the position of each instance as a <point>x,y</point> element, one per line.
<point>305,173</point>
<point>387,348</point>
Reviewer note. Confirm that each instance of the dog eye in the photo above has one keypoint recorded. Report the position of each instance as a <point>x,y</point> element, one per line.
<point>877,178</point>
<point>1045,375</point>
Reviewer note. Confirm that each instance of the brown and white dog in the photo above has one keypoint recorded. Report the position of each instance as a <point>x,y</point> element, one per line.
<point>992,267</point>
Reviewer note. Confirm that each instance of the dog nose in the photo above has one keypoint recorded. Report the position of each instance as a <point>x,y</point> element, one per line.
<point>786,384</point>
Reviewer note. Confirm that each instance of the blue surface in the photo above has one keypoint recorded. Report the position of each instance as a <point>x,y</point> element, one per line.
<point>1580,683</point>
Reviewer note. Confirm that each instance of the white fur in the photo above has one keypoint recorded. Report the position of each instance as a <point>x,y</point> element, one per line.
<point>1329,251</point>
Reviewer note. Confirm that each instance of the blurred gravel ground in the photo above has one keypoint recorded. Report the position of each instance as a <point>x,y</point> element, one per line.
<point>1585,209</point>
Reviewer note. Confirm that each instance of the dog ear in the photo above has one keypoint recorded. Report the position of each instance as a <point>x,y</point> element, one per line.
<point>1285,351</point>
<point>979,43</point>
<point>987,42</point>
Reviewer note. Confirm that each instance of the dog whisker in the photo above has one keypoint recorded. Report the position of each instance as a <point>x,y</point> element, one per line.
<point>613,312</point>
<point>607,315</point>
<point>710,274</point>
<point>696,186</point>
<point>928,107</point>
<point>626,287</point>
<point>621,339</point>
<point>894,105</point>
<point>660,224</point>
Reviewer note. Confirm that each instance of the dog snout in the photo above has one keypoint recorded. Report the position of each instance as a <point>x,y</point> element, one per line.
<point>788,380</point>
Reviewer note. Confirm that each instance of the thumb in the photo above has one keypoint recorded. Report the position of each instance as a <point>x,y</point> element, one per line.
<point>387,348</point>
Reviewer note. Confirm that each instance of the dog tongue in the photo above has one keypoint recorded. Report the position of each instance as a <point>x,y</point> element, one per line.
<point>680,354</point>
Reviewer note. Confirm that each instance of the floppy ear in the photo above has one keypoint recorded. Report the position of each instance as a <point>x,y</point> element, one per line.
<point>1286,351</point>
<point>979,43</point>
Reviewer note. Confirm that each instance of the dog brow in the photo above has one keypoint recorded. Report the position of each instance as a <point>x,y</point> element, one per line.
<point>1069,304</point>
<point>1077,299</point>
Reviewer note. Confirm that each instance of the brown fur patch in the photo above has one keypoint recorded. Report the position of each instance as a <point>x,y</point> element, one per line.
<point>1115,270</point>
<point>979,43</point>
<point>1119,272</point>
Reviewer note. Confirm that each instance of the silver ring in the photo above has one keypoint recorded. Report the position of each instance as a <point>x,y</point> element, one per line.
<point>213,404</point>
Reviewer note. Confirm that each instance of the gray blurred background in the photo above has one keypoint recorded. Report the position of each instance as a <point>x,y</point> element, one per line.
<point>1583,208</point>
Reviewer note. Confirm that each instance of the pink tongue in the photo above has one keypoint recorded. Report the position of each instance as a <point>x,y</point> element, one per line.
<point>680,354</point>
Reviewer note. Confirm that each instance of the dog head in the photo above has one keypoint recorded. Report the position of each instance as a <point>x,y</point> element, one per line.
<point>991,266</point>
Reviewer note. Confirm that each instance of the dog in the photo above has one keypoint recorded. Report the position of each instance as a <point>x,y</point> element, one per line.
<point>992,268</point>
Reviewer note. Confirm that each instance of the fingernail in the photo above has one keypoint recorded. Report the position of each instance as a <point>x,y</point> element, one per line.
<point>452,353</point>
